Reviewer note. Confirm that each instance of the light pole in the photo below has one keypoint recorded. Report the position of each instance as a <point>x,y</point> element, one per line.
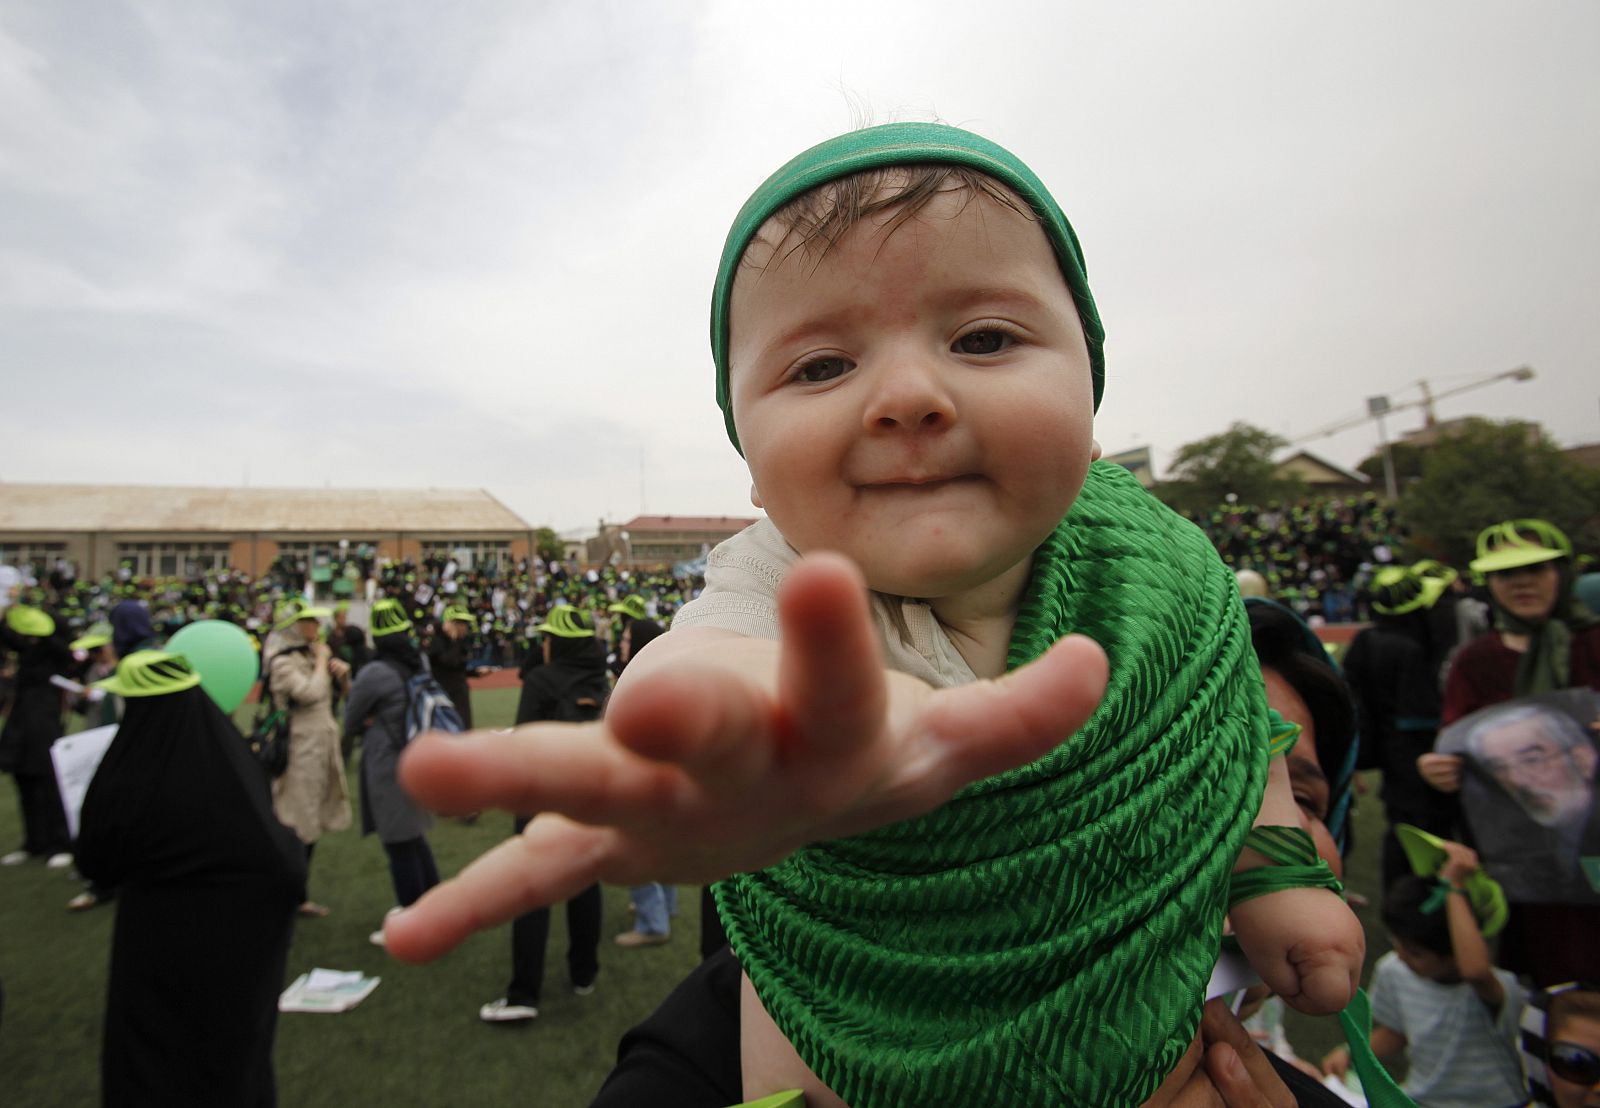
<point>1377,407</point>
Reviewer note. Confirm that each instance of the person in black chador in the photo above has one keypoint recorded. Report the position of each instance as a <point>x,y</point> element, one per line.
<point>570,686</point>
<point>449,657</point>
<point>33,725</point>
<point>180,818</point>
<point>1392,668</point>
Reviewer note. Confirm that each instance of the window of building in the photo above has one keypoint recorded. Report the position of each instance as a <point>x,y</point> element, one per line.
<point>173,559</point>
<point>490,556</point>
<point>39,557</point>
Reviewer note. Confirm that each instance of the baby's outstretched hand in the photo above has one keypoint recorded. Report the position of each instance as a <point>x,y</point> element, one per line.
<point>728,761</point>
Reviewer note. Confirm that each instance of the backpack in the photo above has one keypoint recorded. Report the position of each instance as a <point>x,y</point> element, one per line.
<point>428,706</point>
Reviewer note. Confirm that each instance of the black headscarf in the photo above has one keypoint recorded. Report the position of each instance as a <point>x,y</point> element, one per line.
<point>399,649</point>
<point>180,817</point>
<point>131,628</point>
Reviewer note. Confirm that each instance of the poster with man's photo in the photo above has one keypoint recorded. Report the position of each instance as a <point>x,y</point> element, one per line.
<point>1528,789</point>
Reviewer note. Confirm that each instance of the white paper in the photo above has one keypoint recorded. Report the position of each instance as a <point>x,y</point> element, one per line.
<point>324,990</point>
<point>325,979</point>
<point>76,757</point>
<point>67,683</point>
<point>1231,974</point>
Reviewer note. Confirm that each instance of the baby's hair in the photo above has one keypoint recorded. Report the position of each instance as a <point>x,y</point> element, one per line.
<point>824,215</point>
<point>1580,1003</point>
<point>1405,919</point>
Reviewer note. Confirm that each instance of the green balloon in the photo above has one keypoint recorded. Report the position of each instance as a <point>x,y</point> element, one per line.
<point>224,657</point>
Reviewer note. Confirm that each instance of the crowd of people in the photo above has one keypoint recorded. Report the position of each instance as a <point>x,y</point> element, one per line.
<point>1317,555</point>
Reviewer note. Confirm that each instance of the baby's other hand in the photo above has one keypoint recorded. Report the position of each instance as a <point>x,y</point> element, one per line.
<point>1306,944</point>
<point>726,759</point>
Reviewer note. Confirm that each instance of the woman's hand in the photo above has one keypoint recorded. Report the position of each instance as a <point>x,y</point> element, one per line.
<point>728,756</point>
<point>1442,771</point>
<point>1234,1073</point>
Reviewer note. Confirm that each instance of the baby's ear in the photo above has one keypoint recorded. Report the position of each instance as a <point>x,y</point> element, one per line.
<point>755,498</point>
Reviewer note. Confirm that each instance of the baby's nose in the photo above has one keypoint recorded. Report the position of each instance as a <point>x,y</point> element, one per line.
<point>910,394</point>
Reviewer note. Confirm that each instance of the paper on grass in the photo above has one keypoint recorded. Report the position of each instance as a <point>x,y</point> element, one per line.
<point>324,990</point>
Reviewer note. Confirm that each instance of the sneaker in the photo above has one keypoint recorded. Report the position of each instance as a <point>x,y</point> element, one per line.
<point>642,938</point>
<point>583,990</point>
<point>82,902</point>
<point>15,858</point>
<point>58,861</point>
<point>503,1011</point>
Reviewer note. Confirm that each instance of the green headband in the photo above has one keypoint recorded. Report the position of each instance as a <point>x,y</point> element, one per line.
<point>875,148</point>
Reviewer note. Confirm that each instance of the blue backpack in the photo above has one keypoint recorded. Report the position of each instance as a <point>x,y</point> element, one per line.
<point>428,706</point>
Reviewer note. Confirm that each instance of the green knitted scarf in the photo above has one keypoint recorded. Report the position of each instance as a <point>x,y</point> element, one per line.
<point>1047,935</point>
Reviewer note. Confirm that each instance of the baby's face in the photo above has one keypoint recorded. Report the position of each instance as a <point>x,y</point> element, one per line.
<point>919,401</point>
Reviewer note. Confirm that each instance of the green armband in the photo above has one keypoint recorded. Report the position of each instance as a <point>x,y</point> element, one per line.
<point>1295,865</point>
<point>1281,734</point>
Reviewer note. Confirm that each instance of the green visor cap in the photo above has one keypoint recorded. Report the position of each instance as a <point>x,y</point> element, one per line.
<point>304,613</point>
<point>459,613</point>
<point>1517,543</point>
<point>25,619</point>
<point>630,606</point>
<point>899,144</point>
<point>566,622</point>
<point>94,640</point>
<point>1426,854</point>
<point>388,618</point>
<point>150,673</point>
<point>1397,590</point>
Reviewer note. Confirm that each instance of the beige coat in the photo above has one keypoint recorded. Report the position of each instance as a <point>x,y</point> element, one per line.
<point>311,796</point>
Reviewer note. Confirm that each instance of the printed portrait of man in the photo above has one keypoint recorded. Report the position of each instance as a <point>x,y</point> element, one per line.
<point>1529,793</point>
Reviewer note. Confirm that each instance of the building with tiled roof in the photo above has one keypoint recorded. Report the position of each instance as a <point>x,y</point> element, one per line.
<point>183,530</point>
<point>648,541</point>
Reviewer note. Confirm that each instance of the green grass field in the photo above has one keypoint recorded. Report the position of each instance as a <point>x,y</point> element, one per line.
<point>417,1039</point>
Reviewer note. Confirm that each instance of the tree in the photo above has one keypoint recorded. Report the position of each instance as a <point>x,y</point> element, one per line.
<point>1238,462</point>
<point>1407,458</point>
<point>548,544</point>
<point>1493,471</point>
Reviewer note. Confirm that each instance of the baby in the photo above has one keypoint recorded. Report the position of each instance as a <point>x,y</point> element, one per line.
<point>909,358</point>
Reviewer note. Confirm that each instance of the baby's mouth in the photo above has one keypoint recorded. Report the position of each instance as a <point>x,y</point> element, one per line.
<point>918,482</point>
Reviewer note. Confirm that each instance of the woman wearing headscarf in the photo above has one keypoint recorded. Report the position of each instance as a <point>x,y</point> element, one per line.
<point>310,795</point>
<point>571,686</point>
<point>377,708</point>
<point>179,817</point>
<point>1544,639</point>
<point>33,724</point>
<point>1392,667</point>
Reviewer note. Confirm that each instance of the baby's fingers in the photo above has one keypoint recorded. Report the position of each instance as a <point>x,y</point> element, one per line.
<point>572,768</point>
<point>552,860</point>
<point>831,683</point>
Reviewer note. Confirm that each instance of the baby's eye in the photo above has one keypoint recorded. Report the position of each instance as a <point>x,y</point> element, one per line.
<point>821,369</point>
<point>982,342</point>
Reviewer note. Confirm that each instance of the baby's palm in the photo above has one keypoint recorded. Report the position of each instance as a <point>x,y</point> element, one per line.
<point>701,769</point>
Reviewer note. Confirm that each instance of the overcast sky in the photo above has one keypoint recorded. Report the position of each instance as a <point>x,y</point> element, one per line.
<point>378,244</point>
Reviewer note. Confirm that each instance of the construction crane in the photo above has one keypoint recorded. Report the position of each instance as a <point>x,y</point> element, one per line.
<point>1379,406</point>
